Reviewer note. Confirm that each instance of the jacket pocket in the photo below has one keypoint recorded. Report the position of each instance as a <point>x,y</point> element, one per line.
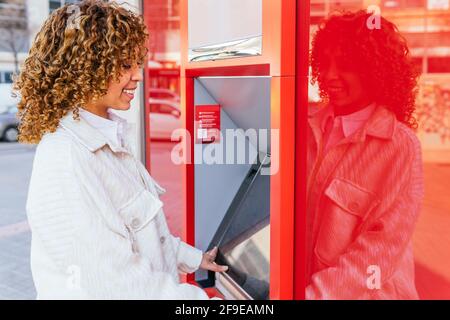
<point>346,205</point>
<point>140,210</point>
<point>137,213</point>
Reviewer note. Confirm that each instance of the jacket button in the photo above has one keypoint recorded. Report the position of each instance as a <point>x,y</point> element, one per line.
<point>353,206</point>
<point>162,239</point>
<point>135,223</point>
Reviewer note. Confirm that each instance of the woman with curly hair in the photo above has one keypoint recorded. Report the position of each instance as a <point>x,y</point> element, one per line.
<point>98,229</point>
<point>365,180</point>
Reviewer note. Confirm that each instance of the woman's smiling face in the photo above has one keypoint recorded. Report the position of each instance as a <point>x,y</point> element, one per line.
<point>120,93</point>
<point>344,85</point>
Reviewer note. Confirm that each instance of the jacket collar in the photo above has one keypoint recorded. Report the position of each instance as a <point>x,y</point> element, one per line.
<point>92,138</point>
<point>381,124</point>
<point>349,123</point>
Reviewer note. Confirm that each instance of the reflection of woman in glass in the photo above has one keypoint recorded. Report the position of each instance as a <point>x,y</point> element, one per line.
<point>365,182</point>
<point>94,211</point>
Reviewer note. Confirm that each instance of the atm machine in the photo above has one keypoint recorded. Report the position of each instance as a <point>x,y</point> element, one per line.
<point>244,105</point>
<point>243,237</point>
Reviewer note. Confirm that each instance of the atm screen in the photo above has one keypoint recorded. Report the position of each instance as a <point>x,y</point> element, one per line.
<point>243,236</point>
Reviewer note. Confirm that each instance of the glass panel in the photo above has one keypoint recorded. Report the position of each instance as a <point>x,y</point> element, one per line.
<point>154,108</point>
<point>428,38</point>
<point>164,108</point>
<point>162,84</point>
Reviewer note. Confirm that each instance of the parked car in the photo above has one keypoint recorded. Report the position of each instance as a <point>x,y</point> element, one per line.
<point>164,118</point>
<point>9,125</point>
<point>163,94</point>
<point>7,99</point>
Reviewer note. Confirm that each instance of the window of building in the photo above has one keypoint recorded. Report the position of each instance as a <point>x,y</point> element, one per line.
<point>403,4</point>
<point>7,77</point>
<point>55,4</point>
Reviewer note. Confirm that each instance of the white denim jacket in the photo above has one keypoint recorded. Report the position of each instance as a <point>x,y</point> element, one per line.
<point>98,228</point>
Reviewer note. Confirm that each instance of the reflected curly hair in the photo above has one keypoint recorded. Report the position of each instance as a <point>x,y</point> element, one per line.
<point>381,56</point>
<point>72,61</point>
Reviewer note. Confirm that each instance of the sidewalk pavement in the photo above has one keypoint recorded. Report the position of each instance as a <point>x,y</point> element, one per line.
<point>15,170</point>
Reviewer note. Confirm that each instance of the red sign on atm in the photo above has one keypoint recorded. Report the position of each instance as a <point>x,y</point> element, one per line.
<point>207,120</point>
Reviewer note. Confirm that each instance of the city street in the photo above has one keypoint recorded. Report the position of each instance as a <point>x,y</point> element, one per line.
<point>15,170</point>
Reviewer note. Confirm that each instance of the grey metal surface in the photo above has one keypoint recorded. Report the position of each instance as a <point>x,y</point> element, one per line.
<point>245,104</point>
<point>246,100</point>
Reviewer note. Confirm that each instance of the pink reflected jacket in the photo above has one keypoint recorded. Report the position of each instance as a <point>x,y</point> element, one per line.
<point>364,197</point>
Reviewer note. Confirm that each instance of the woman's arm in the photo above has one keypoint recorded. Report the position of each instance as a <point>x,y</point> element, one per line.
<point>190,259</point>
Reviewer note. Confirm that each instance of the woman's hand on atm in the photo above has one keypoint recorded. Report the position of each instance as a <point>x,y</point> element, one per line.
<point>209,264</point>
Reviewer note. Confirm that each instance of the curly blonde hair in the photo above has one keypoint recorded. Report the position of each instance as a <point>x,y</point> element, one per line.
<point>72,62</point>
